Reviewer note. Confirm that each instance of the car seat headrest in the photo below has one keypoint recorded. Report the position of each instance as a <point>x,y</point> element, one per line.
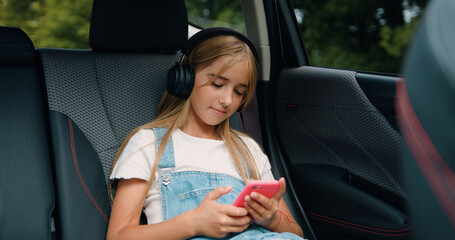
<point>17,48</point>
<point>138,26</point>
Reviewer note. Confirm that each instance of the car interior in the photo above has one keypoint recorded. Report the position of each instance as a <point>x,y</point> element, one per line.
<point>365,155</point>
<point>426,117</point>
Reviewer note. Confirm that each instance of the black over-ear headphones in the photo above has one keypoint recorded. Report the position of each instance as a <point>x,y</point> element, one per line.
<point>180,78</point>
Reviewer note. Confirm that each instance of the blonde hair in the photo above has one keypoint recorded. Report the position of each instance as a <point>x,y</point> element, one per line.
<point>173,111</point>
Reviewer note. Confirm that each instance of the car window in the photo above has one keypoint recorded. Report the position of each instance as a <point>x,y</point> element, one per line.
<point>46,22</point>
<point>369,35</point>
<point>50,23</point>
<point>216,13</point>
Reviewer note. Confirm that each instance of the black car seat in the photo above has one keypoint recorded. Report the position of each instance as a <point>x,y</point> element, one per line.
<point>426,113</point>
<point>96,97</point>
<point>26,191</point>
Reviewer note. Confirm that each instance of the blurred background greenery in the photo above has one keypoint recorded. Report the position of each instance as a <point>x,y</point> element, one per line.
<point>369,35</point>
<point>50,23</point>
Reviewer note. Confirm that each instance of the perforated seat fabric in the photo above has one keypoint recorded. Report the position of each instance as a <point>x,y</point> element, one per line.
<point>91,113</point>
<point>96,97</point>
<point>110,95</point>
<point>26,191</point>
<point>343,154</point>
<point>329,109</point>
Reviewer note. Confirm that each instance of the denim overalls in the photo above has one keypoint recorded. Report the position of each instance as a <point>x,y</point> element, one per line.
<point>183,191</point>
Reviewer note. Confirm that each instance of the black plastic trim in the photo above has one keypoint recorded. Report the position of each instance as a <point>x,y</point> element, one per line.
<point>293,50</point>
<point>381,91</point>
<point>279,166</point>
<point>265,96</point>
<point>348,205</point>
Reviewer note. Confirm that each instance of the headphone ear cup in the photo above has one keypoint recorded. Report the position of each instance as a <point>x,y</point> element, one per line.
<point>180,80</point>
<point>188,78</point>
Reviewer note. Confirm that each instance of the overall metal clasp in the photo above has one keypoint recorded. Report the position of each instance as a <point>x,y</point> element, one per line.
<point>166,176</point>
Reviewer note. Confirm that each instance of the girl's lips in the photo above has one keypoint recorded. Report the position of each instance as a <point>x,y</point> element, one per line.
<point>218,111</point>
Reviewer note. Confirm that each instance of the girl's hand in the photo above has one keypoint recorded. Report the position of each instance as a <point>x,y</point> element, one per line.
<point>265,211</point>
<point>218,220</point>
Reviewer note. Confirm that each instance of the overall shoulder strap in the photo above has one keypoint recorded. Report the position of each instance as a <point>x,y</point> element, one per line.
<point>167,161</point>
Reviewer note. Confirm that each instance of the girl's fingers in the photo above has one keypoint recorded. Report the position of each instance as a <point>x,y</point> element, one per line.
<point>218,192</point>
<point>262,209</point>
<point>253,203</point>
<point>235,211</point>
<point>281,190</point>
<point>262,200</point>
<point>238,228</point>
<point>273,202</point>
<point>235,224</point>
<point>255,214</point>
<point>241,221</point>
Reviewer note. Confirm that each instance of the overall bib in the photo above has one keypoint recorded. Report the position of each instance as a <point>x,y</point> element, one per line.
<point>183,191</point>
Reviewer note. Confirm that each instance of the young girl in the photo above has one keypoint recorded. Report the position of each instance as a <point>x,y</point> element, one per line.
<point>185,168</point>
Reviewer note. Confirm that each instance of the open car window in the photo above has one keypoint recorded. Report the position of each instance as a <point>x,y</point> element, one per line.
<point>215,13</point>
<point>361,35</point>
<point>47,24</point>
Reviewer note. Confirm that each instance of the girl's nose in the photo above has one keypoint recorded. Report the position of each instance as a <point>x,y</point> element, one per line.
<point>226,98</point>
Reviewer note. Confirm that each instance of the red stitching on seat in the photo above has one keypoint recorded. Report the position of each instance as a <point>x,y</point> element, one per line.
<point>385,232</point>
<point>241,122</point>
<point>436,171</point>
<point>79,175</point>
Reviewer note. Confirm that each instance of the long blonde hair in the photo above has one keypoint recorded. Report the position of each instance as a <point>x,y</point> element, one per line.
<point>173,111</point>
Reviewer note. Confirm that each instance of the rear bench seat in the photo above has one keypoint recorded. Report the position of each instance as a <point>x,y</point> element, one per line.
<point>26,191</point>
<point>96,97</point>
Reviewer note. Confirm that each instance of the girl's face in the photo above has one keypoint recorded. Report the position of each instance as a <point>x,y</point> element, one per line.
<point>213,100</point>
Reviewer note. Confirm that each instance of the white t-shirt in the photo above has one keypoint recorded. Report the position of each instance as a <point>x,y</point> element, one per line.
<point>191,154</point>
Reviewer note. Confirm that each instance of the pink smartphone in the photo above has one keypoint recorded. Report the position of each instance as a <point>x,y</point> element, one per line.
<point>267,188</point>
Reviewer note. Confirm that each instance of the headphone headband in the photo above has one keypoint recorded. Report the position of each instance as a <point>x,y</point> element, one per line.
<point>180,78</point>
<point>208,33</point>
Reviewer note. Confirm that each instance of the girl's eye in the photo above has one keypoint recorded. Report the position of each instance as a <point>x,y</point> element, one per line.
<point>216,85</point>
<point>238,92</point>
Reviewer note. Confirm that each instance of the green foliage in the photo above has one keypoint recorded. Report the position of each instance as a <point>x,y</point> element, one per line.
<point>50,23</point>
<point>395,40</point>
<point>369,35</point>
<point>216,13</point>
<point>67,22</point>
<point>21,13</point>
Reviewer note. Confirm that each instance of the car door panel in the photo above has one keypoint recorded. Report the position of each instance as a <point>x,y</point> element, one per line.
<point>381,91</point>
<point>337,207</point>
<point>342,151</point>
